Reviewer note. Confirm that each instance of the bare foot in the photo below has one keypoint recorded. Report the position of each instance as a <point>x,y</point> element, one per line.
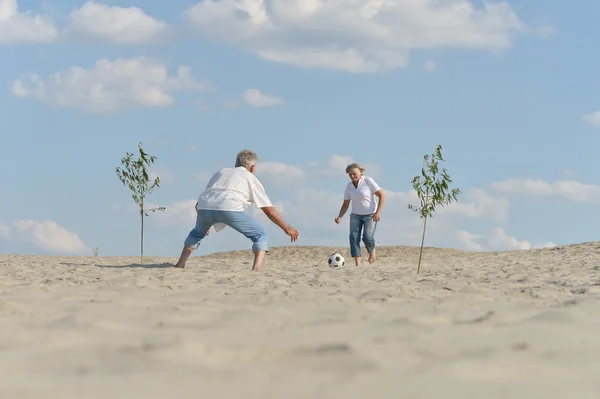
<point>258,260</point>
<point>357,261</point>
<point>372,257</point>
<point>185,254</point>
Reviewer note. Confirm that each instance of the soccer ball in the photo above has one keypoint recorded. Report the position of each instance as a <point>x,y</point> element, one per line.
<point>336,260</point>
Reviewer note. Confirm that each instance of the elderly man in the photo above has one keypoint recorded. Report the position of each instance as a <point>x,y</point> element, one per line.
<point>223,203</point>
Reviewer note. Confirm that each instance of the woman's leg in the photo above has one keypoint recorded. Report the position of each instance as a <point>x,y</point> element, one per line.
<point>356,225</point>
<point>369,236</point>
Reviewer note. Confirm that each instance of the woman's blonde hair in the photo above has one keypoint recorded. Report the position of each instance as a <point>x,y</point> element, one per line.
<point>355,165</point>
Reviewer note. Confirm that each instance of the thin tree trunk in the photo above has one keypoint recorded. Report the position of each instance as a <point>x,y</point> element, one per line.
<point>142,235</point>
<point>423,237</point>
<point>422,241</point>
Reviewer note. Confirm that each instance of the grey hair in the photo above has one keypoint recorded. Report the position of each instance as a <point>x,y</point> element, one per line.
<point>246,158</point>
<point>355,165</point>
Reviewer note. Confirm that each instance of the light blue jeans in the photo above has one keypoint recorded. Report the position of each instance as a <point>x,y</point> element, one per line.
<point>239,221</point>
<point>366,225</point>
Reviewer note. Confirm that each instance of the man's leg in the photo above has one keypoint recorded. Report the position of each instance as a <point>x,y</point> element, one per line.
<point>251,229</point>
<point>369,237</point>
<point>203,224</point>
<point>185,254</point>
<point>258,259</point>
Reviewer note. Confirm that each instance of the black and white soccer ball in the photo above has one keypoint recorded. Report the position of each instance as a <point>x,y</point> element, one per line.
<point>336,260</point>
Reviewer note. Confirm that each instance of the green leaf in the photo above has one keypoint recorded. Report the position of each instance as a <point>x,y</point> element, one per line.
<point>134,174</point>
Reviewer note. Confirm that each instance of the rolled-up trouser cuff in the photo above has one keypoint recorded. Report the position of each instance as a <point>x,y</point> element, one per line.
<point>260,246</point>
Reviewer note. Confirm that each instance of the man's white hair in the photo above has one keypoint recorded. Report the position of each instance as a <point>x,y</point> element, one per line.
<point>246,158</point>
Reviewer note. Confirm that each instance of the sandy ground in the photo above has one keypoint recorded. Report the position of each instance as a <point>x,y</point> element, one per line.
<point>522,324</point>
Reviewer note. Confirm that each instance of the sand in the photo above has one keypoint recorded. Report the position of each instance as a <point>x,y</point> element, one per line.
<point>518,324</point>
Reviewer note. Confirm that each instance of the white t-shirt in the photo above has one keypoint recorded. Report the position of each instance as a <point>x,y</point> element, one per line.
<point>233,189</point>
<point>364,202</point>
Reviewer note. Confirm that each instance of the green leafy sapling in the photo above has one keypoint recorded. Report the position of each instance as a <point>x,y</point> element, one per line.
<point>432,190</point>
<point>135,176</point>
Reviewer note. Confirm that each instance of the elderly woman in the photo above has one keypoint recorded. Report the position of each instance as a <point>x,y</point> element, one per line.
<point>366,210</point>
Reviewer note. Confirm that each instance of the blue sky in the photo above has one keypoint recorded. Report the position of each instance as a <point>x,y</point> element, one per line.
<point>508,89</point>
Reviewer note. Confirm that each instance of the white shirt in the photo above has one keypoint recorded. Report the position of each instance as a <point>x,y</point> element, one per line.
<point>364,202</point>
<point>233,189</point>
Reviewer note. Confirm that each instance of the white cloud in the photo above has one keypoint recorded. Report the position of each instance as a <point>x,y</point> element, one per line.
<point>468,241</point>
<point>4,231</point>
<point>430,66</point>
<point>115,24</point>
<point>193,148</point>
<point>164,174</point>
<point>477,203</point>
<point>280,173</point>
<point>183,213</point>
<point>176,214</point>
<point>256,98</point>
<point>338,163</point>
<point>548,244</point>
<point>361,36</point>
<point>109,85</point>
<point>498,240</point>
<point>567,189</point>
<point>180,213</point>
<point>24,27</point>
<point>276,173</point>
<point>336,166</point>
<point>312,212</point>
<point>593,118</point>
<point>50,236</point>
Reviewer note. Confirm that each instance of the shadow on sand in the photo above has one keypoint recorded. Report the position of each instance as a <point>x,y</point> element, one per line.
<point>137,265</point>
<point>74,264</point>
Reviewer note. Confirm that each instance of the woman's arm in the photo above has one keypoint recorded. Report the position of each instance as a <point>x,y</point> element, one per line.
<point>343,210</point>
<point>381,196</point>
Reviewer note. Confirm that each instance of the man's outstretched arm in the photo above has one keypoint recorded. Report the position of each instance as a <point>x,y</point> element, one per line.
<point>276,218</point>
